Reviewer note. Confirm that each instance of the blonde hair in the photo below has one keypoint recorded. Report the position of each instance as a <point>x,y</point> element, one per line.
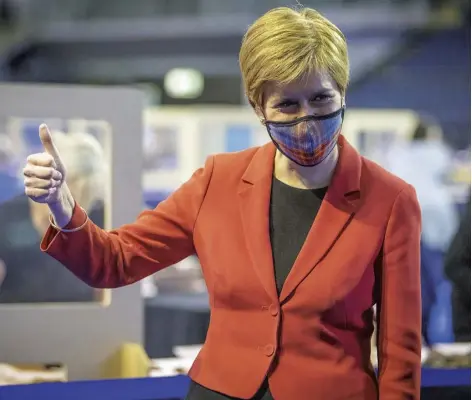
<point>84,158</point>
<point>285,45</point>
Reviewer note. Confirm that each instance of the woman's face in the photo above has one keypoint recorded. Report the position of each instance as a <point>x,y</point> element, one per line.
<point>317,94</point>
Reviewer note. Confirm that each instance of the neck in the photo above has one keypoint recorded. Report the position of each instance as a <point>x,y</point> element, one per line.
<point>315,177</point>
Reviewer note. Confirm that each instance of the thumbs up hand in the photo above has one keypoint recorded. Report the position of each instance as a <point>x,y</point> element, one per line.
<point>44,179</point>
<point>44,172</point>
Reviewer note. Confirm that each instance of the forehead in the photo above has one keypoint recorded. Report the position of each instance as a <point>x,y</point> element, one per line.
<point>315,82</point>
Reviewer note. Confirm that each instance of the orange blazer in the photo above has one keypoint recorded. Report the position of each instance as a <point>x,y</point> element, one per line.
<point>312,341</point>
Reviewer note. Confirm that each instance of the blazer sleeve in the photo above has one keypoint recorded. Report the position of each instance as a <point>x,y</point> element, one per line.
<point>399,306</point>
<point>157,239</point>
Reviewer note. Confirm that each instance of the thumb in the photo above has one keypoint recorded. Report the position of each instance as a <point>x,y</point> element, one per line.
<point>48,144</point>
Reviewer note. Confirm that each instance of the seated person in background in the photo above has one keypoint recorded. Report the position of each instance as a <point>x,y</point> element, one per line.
<point>424,162</point>
<point>457,269</point>
<point>29,276</point>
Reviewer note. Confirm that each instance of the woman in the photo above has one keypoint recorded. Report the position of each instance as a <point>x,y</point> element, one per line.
<point>33,277</point>
<point>297,239</point>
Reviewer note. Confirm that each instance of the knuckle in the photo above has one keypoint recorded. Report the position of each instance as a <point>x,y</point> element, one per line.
<point>27,169</point>
<point>49,161</point>
<point>34,158</point>
<point>48,173</point>
<point>41,159</point>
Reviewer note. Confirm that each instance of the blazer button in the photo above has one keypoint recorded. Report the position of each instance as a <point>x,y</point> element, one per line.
<point>269,350</point>
<point>274,311</point>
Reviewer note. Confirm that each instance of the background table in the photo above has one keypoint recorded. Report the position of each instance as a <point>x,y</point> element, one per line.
<point>185,316</point>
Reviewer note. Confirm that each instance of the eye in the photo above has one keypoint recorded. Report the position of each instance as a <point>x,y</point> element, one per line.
<point>322,97</point>
<point>286,104</point>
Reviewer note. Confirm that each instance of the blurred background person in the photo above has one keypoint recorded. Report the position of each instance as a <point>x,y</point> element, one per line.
<point>29,275</point>
<point>457,268</point>
<point>10,184</point>
<point>3,271</point>
<point>425,162</point>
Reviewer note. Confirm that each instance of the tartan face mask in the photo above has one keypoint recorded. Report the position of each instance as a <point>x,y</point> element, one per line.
<point>307,141</point>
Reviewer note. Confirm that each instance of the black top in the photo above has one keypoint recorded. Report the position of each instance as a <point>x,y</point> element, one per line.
<point>292,212</point>
<point>31,275</point>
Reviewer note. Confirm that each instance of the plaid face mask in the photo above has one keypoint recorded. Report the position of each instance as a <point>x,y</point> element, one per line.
<point>308,140</point>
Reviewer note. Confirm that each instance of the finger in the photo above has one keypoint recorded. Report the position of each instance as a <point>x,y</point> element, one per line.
<point>34,171</point>
<point>35,192</point>
<point>42,159</point>
<point>41,183</point>
<point>48,144</point>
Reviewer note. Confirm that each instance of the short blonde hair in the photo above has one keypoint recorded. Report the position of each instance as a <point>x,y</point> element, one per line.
<point>285,45</point>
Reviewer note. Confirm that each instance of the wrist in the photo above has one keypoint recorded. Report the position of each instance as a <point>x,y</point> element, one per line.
<point>63,208</point>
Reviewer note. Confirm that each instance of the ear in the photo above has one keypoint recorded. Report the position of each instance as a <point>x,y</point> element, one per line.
<point>257,109</point>
<point>342,93</point>
<point>260,114</point>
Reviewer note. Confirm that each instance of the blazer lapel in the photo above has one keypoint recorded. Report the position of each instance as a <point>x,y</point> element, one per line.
<point>254,203</point>
<point>336,211</point>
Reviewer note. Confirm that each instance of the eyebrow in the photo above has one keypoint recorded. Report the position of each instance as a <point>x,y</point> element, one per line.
<point>281,97</point>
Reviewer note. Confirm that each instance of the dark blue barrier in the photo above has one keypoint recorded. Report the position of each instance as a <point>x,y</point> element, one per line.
<point>172,388</point>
